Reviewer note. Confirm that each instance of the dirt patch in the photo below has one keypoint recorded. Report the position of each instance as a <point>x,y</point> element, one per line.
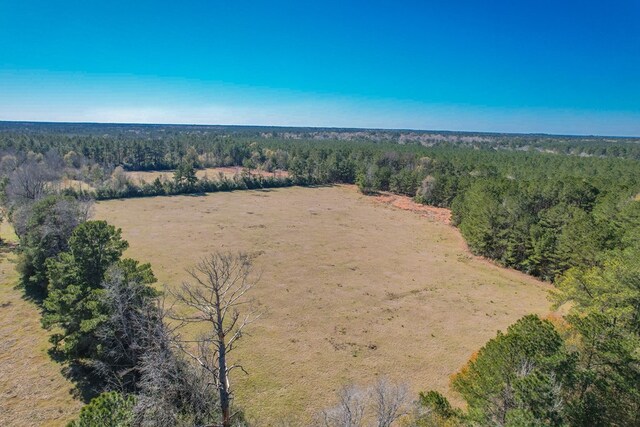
<point>406,203</point>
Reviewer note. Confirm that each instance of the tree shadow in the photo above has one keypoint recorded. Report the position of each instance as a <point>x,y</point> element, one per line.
<point>85,381</point>
<point>31,293</point>
<point>87,384</point>
<point>372,193</point>
<point>7,247</point>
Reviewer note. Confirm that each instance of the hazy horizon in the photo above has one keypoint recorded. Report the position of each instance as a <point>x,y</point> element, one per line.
<point>327,128</point>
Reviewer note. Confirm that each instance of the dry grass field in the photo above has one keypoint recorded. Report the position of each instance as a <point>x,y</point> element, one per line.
<point>33,391</point>
<point>212,173</point>
<point>354,289</point>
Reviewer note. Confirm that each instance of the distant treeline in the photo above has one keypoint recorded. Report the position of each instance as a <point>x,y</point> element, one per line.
<point>143,147</point>
<point>535,211</point>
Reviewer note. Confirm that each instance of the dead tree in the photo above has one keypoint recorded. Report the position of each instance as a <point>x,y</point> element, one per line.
<point>30,181</point>
<point>380,405</point>
<point>216,297</point>
<point>172,391</point>
<point>349,412</point>
<point>389,401</point>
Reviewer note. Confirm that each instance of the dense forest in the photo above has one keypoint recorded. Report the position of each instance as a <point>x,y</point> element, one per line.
<point>564,209</point>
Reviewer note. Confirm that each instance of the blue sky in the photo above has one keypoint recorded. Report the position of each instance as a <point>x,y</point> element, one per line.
<point>539,66</point>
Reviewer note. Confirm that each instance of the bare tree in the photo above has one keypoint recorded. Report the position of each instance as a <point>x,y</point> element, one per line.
<point>389,401</point>
<point>172,391</point>
<point>134,324</point>
<point>215,297</point>
<point>380,405</point>
<point>8,163</point>
<point>427,189</point>
<point>62,217</point>
<point>349,412</point>
<point>119,179</point>
<point>30,181</point>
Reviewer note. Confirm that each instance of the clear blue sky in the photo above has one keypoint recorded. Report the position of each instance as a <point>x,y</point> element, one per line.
<point>522,66</point>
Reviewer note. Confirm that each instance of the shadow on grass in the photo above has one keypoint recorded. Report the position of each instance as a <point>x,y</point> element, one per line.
<point>87,384</point>
<point>32,293</point>
<point>7,247</point>
<point>85,380</point>
<point>29,293</point>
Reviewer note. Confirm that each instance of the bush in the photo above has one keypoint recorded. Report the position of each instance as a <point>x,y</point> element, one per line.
<point>109,409</point>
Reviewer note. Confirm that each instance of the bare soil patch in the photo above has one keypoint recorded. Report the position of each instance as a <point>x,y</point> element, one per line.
<point>353,288</point>
<point>408,204</point>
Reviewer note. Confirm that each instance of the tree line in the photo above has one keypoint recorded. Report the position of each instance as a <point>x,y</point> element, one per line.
<point>74,136</point>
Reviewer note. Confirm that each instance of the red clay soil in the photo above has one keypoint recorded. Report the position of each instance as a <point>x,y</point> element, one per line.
<point>406,203</point>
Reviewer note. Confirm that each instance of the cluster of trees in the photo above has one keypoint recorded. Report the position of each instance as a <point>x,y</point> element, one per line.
<point>583,370</point>
<point>538,213</point>
<point>107,319</point>
<point>110,324</point>
<point>118,188</point>
<point>545,227</point>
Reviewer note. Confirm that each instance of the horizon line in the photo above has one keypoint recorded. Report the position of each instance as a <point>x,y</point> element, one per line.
<point>335,128</point>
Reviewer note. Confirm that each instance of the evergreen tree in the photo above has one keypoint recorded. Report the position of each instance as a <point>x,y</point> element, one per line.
<point>75,300</point>
<point>48,229</point>
<point>109,409</point>
<point>517,376</point>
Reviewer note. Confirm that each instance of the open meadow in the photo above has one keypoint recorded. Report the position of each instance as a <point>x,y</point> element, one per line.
<point>353,288</point>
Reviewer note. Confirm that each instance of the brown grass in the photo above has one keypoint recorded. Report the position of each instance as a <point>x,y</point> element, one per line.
<point>211,173</point>
<point>76,185</point>
<point>354,289</point>
<point>33,392</point>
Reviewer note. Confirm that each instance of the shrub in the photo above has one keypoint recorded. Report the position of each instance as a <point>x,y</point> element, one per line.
<point>109,409</point>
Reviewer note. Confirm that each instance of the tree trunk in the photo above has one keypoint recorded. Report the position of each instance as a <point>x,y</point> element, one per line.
<point>224,389</point>
<point>222,372</point>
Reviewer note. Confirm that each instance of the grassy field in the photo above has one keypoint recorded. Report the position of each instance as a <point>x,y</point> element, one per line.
<point>33,391</point>
<point>212,173</point>
<point>354,288</point>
